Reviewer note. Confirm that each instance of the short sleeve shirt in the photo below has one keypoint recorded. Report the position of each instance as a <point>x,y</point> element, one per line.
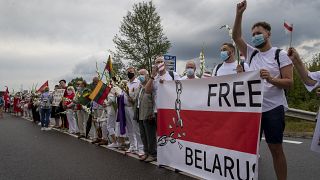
<point>315,76</point>
<point>273,96</point>
<point>156,82</point>
<point>228,68</point>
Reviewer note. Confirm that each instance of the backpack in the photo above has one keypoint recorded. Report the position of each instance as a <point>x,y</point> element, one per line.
<point>276,57</point>
<point>45,102</point>
<point>171,74</point>
<point>219,66</point>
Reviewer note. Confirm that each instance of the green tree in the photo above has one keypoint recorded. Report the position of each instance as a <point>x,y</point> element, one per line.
<point>298,96</point>
<point>74,81</point>
<point>141,36</point>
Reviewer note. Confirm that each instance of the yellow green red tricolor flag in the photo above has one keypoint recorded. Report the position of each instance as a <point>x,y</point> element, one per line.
<point>100,93</point>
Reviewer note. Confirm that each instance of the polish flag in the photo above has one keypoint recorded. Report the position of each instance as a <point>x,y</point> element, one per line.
<point>288,27</point>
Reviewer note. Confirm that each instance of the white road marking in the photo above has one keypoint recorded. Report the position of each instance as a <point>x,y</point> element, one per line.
<point>288,141</point>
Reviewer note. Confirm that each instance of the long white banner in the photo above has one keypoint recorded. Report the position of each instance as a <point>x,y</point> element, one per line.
<point>210,127</point>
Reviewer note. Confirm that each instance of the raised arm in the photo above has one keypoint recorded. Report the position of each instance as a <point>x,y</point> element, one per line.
<point>236,32</point>
<point>299,66</point>
<point>149,85</point>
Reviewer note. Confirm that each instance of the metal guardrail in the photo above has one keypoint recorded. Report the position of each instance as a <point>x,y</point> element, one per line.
<point>301,114</point>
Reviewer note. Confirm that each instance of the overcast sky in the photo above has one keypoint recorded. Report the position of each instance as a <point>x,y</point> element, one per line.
<point>48,40</point>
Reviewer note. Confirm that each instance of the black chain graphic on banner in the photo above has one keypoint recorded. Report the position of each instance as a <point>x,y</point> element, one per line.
<point>164,139</point>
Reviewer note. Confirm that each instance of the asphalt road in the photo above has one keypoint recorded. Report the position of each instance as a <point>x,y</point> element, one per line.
<point>28,153</point>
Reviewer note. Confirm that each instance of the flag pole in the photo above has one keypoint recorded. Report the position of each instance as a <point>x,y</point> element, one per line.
<point>290,44</point>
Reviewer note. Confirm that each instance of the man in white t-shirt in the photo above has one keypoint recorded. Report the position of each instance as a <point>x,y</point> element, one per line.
<point>229,64</point>
<point>136,145</point>
<point>276,69</point>
<point>310,79</point>
<point>190,70</point>
<point>159,75</point>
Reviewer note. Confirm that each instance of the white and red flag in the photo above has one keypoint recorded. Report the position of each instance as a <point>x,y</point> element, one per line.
<point>288,27</point>
<point>211,127</point>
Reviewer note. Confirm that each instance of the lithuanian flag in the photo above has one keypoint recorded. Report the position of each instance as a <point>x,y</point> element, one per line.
<point>100,93</point>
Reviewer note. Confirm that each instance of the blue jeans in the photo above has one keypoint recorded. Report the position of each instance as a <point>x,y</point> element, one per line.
<point>45,115</point>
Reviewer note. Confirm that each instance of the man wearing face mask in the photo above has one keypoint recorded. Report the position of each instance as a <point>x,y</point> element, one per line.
<point>276,69</point>
<point>145,115</point>
<point>159,75</point>
<point>136,145</point>
<point>229,64</point>
<point>82,115</point>
<point>190,70</point>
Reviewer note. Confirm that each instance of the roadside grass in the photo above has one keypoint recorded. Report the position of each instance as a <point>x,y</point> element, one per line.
<point>299,127</point>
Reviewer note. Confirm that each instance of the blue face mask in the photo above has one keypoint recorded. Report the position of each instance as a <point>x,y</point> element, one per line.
<point>257,40</point>
<point>224,55</point>
<point>190,72</point>
<point>141,78</point>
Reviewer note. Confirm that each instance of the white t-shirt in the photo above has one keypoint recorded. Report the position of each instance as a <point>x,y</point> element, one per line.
<point>273,96</point>
<point>186,77</point>
<point>228,68</point>
<point>315,76</point>
<point>165,77</point>
<point>133,87</point>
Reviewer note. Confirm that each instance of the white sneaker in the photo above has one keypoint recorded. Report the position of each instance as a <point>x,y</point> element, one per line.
<point>47,129</point>
<point>141,153</point>
<point>131,150</point>
<point>113,145</point>
<point>43,128</point>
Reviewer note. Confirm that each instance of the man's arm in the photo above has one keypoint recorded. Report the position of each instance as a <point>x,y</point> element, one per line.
<point>149,85</point>
<point>299,66</point>
<point>236,32</point>
<point>286,81</point>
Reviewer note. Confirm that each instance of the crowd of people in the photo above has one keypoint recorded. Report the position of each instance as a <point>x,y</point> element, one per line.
<point>130,109</point>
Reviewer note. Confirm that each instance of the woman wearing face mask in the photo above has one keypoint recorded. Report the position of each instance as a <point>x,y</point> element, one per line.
<point>229,64</point>
<point>190,70</point>
<point>69,105</point>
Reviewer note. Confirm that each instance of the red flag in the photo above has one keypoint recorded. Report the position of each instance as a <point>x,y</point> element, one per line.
<point>46,84</point>
<point>6,96</point>
<point>288,27</point>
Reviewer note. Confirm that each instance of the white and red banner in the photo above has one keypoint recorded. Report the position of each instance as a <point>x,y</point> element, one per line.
<point>210,127</point>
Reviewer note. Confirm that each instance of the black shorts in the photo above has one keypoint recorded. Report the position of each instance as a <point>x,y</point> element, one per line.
<point>272,125</point>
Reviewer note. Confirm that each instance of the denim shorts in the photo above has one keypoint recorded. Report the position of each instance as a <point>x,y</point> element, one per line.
<point>272,125</point>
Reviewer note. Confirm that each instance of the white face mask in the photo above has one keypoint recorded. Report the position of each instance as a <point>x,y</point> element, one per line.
<point>190,72</point>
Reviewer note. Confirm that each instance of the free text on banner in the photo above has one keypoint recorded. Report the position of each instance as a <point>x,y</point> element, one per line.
<point>210,127</point>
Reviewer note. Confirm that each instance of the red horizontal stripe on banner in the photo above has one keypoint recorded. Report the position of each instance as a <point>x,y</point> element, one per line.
<point>237,131</point>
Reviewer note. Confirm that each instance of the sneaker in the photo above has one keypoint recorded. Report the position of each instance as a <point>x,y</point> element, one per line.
<point>47,129</point>
<point>150,159</point>
<point>43,128</point>
<point>143,157</point>
<point>95,141</point>
<point>113,145</point>
<point>130,150</point>
<point>103,142</point>
<point>141,153</point>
